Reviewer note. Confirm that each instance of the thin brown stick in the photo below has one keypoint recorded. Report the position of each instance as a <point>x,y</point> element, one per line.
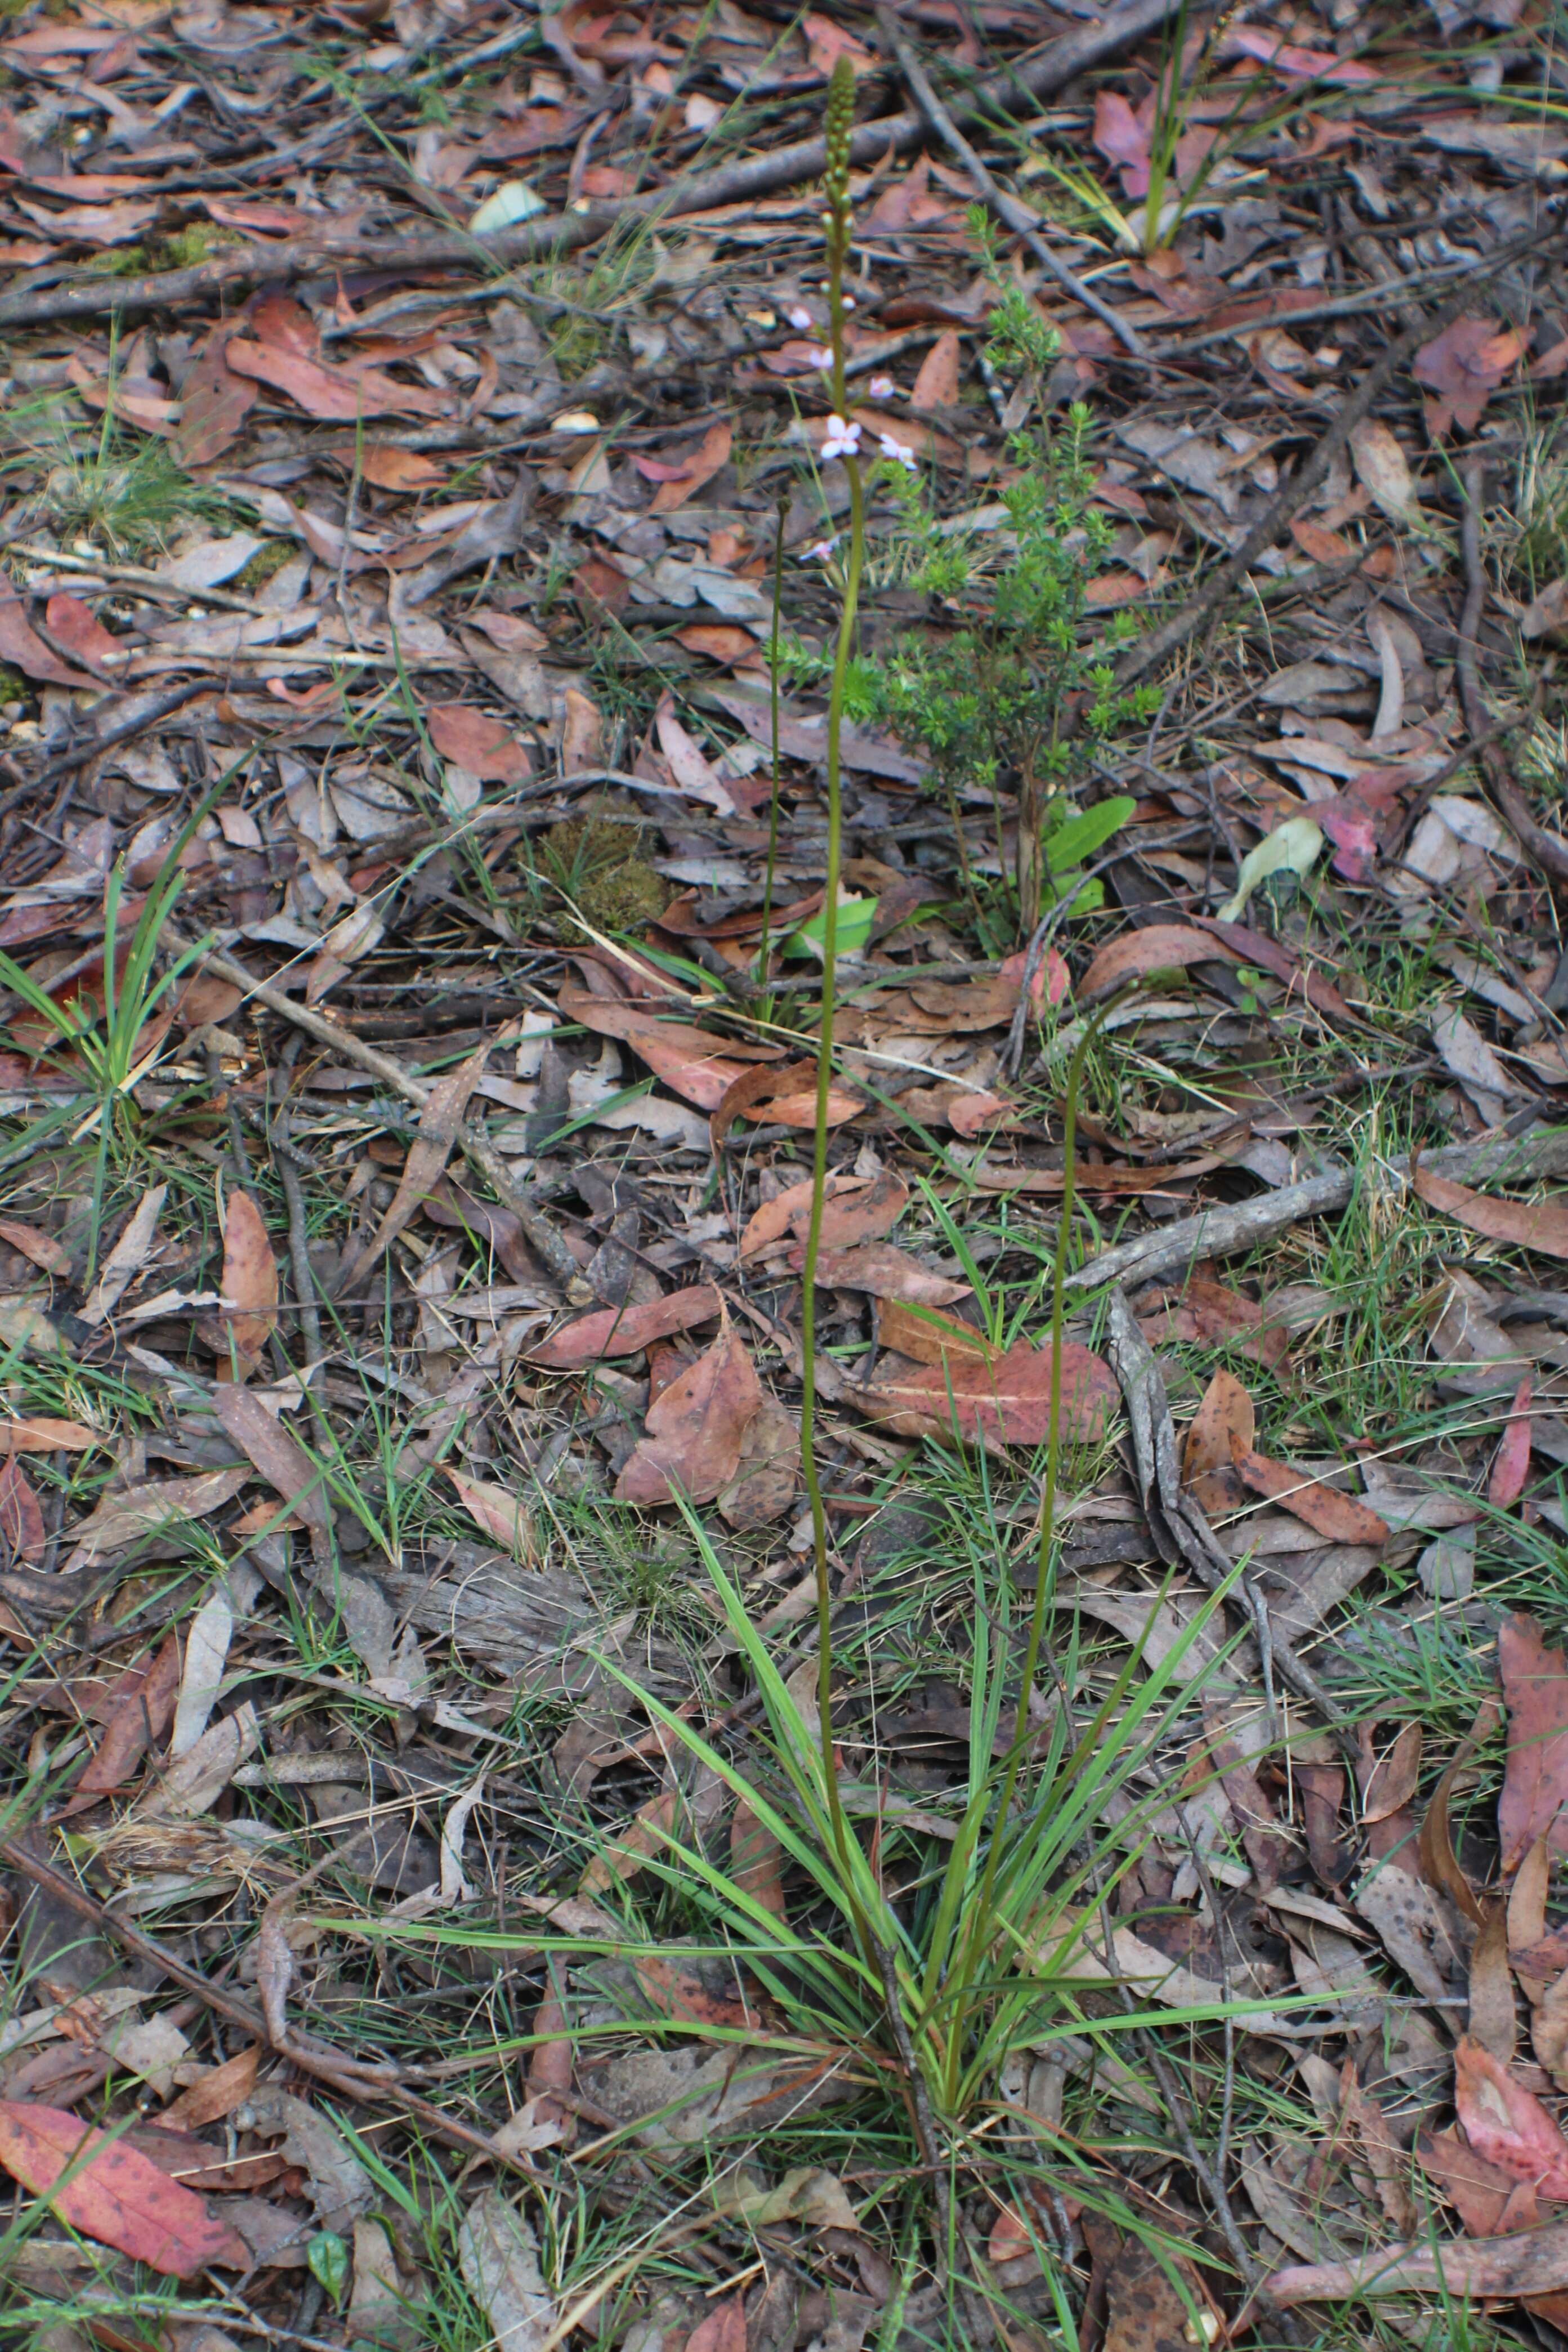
<point>1548,849</point>
<point>347,2075</point>
<point>477,1148</point>
<point>1153,649</point>
<point>1059,62</point>
<point>1007,209</point>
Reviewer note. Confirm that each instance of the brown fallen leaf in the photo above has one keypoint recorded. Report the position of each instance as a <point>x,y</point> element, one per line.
<point>694,1428</point>
<point>1159,947</point>
<point>882,1270</point>
<point>138,1720</point>
<point>21,646</point>
<point>1494,2023</point>
<point>22,1527</point>
<point>330,394</point>
<point>1207,1310</point>
<point>1005,1401</point>
<point>119,1520</point>
<point>1338,1518</point>
<point>787,1095</point>
<point>249,1284</point>
<point>929,1337</point>
<point>218,2094</point>
<point>440,1120</point>
<point>1487,2199</point>
<point>1464,366</point>
<point>1224,1421</point>
<point>764,1484</point>
<point>1535,2261</point>
<point>625,1330</point>
<point>1540,1226</point>
<point>37,1432</point>
<point>1510,1464</point>
<point>700,465</point>
<point>280,1458</point>
<point>755,1859</point>
<point>1535,1777</point>
<point>214,404</point>
<point>42,1248</point>
<point>478,742</point>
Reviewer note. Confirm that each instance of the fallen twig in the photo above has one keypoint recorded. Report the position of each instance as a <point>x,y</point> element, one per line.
<point>1007,209</point>
<point>1218,1233</point>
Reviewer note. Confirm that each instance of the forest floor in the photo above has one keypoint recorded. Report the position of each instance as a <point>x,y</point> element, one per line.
<point>428,1918</point>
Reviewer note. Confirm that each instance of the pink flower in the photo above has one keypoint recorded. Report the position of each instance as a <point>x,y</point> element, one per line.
<point>821,550</point>
<point>897,451</point>
<point>821,356</point>
<point>843,438</point>
<point>800,318</point>
<point>882,387</point>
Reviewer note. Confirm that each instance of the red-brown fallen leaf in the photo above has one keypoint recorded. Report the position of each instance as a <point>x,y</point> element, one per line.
<point>1159,946</point>
<point>1507,2124</point>
<point>1338,1518</point>
<point>723,2329</point>
<point>720,641</point>
<point>276,1451</point>
<point>331,393</point>
<point>1296,65</point>
<point>928,1338</point>
<point>882,1270</point>
<point>22,1525</point>
<point>1540,1226</point>
<point>937,385</point>
<point>1208,1310</point>
<point>139,1719</point>
<point>73,624</point>
<point>694,1430</point>
<point>216,2094</point>
<point>1224,1421</point>
<point>249,1282</point>
<point>1511,1464</point>
<point>484,745</point>
<point>1535,1778</point>
<point>1489,2201</point>
<point>399,469</point>
<point>21,646</point>
<point>1006,1399</point>
<point>214,404</point>
<point>1248,946</point>
<point>625,1330</point>
<point>699,1065</point>
<point>39,1433</point>
<point>502,1514</point>
<point>787,1097</point>
<point>755,1859</point>
<point>789,1211</point>
<point>117,2196</point>
<point>41,1248</point>
<point>1464,366</point>
<point>700,467</point>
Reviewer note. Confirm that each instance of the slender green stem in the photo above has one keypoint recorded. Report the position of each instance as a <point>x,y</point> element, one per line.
<point>773,717</point>
<point>837,223</point>
<point>982,1910</point>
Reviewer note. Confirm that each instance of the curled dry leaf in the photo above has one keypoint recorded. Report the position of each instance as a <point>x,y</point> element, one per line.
<point>788,1097</point>
<point>1159,946</point>
<point>625,1330</point>
<point>504,1517</point>
<point>1338,1518</point>
<point>1510,1464</point>
<point>116,2195</point>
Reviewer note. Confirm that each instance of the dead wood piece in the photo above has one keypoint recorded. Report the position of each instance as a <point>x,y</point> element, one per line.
<point>1218,1233</point>
<point>1176,1522</point>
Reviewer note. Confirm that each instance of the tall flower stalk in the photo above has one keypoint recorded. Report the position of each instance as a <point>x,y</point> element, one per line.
<point>843,443</point>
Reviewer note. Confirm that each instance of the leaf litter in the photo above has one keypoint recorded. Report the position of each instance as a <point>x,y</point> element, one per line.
<point>420,1911</point>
